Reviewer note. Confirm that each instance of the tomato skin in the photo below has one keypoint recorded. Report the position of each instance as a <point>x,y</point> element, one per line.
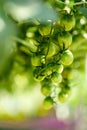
<point>67,58</point>
<point>37,75</point>
<point>39,78</point>
<point>64,40</point>
<point>32,45</point>
<point>48,103</point>
<point>49,69</point>
<point>45,29</point>
<point>46,81</point>
<point>58,68</point>
<point>68,22</point>
<point>67,74</point>
<point>56,78</point>
<point>37,60</point>
<point>52,50</point>
<point>62,97</point>
<point>46,89</point>
<point>30,33</point>
<point>67,90</point>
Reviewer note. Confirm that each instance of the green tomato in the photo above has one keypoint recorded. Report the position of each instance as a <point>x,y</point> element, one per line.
<point>49,49</point>
<point>56,78</point>
<point>67,21</point>
<point>46,81</point>
<point>52,50</point>
<point>45,29</point>
<point>37,60</point>
<point>46,89</point>
<point>32,45</point>
<point>49,69</point>
<point>67,74</point>
<point>37,75</point>
<point>39,78</point>
<point>43,59</point>
<point>67,57</point>
<point>31,31</point>
<point>48,103</point>
<point>65,39</point>
<point>62,97</point>
<point>67,90</point>
<point>58,68</point>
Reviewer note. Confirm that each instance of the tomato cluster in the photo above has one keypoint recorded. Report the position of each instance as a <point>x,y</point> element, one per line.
<point>51,49</point>
<point>51,55</point>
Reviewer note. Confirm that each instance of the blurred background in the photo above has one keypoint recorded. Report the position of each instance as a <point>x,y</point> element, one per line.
<point>21,102</point>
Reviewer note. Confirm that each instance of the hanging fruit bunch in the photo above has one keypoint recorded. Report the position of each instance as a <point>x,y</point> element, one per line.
<point>54,47</point>
<point>52,53</point>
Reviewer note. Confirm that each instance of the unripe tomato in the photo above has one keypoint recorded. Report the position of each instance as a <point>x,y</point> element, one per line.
<point>37,60</point>
<point>39,78</point>
<point>37,75</point>
<point>31,31</point>
<point>58,68</point>
<point>32,45</point>
<point>52,50</point>
<point>49,69</point>
<point>67,90</point>
<point>67,57</point>
<point>67,21</point>
<point>46,81</point>
<point>45,29</point>
<point>65,39</point>
<point>43,59</point>
<point>62,97</point>
<point>56,78</point>
<point>67,74</point>
<point>48,103</point>
<point>46,89</point>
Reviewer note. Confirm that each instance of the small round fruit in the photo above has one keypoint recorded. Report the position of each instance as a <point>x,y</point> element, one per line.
<point>58,68</point>
<point>32,45</point>
<point>67,74</point>
<point>65,39</point>
<point>37,75</point>
<point>49,69</point>
<point>67,90</point>
<point>52,50</point>
<point>35,60</point>
<point>31,32</point>
<point>48,103</point>
<point>36,71</point>
<point>67,57</point>
<point>46,89</point>
<point>67,21</point>
<point>39,78</point>
<point>43,59</point>
<point>46,28</point>
<point>46,81</point>
<point>56,78</point>
<point>62,97</point>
